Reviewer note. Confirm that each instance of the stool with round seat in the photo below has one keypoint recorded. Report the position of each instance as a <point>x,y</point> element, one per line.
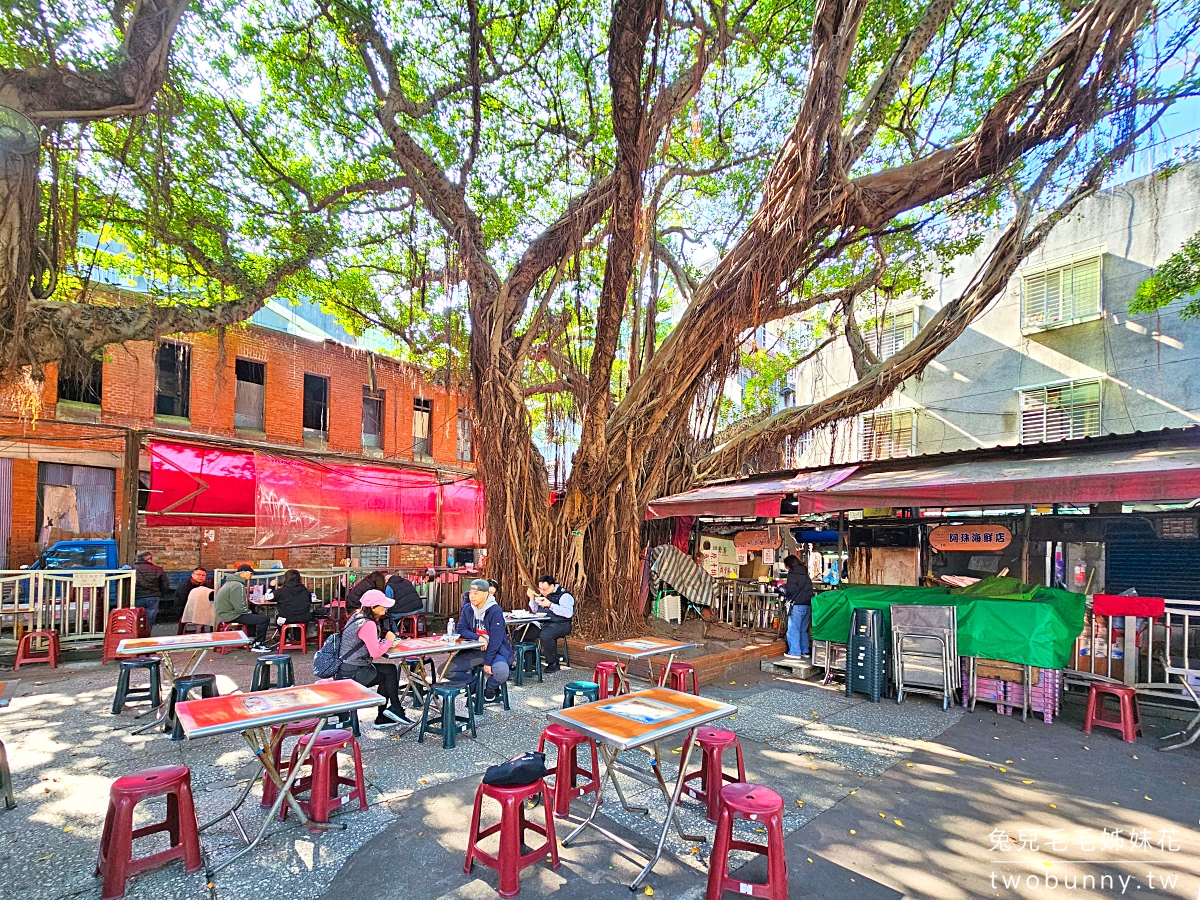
<point>451,723</point>
<point>152,691</point>
<point>588,690</point>
<point>270,789</point>
<point>529,661</point>
<point>764,807</point>
<point>206,684</point>
<point>566,770</point>
<point>229,626</point>
<point>565,655</point>
<point>30,649</point>
<point>116,863</point>
<point>481,685</point>
<point>412,625</point>
<point>678,677</point>
<point>123,624</point>
<point>323,780</point>
<point>509,860</point>
<point>326,627</point>
<point>192,628</point>
<point>272,670</point>
<point>1128,720</point>
<point>293,636</point>
<point>605,675</point>
<point>711,775</point>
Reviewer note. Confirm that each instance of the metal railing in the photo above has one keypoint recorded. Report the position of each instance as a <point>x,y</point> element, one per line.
<point>76,604</point>
<point>744,605</point>
<point>442,596</point>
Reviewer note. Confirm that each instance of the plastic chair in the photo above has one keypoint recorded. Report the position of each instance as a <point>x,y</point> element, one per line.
<point>229,626</point>
<point>323,780</point>
<point>566,650</point>
<point>526,651</point>
<point>509,861</point>
<point>116,863</point>
<point>29,654</point>
<point>1128,720</point>
<point>272,671</point>
<point>589,690</point>
<point>451,723</point>
<point>567,771</point>
<point>711,774</point>
<point>126,694</point>
<point>764,807</point>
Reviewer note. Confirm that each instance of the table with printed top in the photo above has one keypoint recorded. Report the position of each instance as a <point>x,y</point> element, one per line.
<point>253,715</point>
<point>417,682</point>
<point>198,645</point>
<point>641,720</point>
<point>643,648</point>
<point>523,619</point>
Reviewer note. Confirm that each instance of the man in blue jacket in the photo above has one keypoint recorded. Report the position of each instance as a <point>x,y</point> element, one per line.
<point>481,619</point>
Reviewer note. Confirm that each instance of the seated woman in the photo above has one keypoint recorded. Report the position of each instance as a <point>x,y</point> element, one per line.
<point>361,646</point>
<point>293,599</point>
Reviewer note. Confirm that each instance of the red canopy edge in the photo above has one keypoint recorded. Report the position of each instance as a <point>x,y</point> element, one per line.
<point>747,498</point>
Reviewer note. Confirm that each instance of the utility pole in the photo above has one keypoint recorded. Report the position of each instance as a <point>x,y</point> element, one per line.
<point>127,543</point>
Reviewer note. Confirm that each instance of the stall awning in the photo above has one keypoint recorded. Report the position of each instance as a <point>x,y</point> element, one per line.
<point>1163,466</point>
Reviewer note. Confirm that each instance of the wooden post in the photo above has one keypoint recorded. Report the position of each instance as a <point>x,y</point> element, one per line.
<point>841,542</point>
<point>127,542</point>
<point>1025,543</point>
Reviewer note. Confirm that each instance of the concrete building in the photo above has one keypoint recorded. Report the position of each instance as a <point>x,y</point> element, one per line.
<point>1056,356</point>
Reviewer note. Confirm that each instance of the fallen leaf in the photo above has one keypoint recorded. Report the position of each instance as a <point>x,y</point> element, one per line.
<point>814,768</point>
<point>962,759</point>
<point>809,859</point>
<point>1009,761</point>
<point>1145,798</point>
<point>72,827</point>
<point>883,815</point>
<point>898,822</point>
<point>1026,782</point>
<point>854,792</point>
<point>799,802</point>
<point>46,857</point>
<point>1054,806</point>
<point>1002,769</point>
<point>909,765</point>
<point>649,892</point>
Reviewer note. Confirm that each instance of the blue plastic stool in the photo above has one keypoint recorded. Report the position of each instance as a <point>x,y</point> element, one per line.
<point>272,671</point>
<point>525,651</point>
<point>588,689</point>
<point>126,694</point>
<point>480,684</point>
<point>451,723</point>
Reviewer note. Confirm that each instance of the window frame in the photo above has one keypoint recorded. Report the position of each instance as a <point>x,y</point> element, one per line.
<point>423,405</point>
<point>884,330</point>
<point>321,434</point>
<point>183,374</point>
<point>892,413</point>
<point>92,384</point>
<point>466,440</point>
<point>238,381</point>
<point>370,396</point>
<point>1072,384</point>
<point>1061,264</point>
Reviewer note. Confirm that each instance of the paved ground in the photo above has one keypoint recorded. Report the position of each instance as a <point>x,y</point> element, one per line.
<point>882,801</point>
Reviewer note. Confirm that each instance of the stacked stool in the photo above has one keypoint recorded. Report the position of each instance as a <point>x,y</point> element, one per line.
<point>152,691</point>
<point>116,863</point>
<point>605,675</point>
<point>1128,720</point>
<point>567,771</point>
<point>123,624</point>
<point>509,861</point>
<point>758,804</point>
<point>711,774</point>
<point>323,780</point>
<point>866,662</point>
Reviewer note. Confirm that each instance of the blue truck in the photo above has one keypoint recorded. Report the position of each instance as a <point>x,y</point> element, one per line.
<point>82,554</point>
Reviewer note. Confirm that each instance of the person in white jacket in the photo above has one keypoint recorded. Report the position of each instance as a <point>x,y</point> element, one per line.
<point>551,599</point>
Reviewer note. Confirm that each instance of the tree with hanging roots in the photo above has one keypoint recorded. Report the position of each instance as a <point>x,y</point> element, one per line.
<point>585,209</point>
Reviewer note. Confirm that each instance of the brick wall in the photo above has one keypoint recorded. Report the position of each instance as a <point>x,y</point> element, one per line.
<point>309,557</point>
<point>411,556</point>
<point>710,668</point>
<point>175,547</point>
<point>22,545</point>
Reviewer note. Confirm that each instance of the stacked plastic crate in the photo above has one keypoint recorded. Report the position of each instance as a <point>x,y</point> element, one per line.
<point>866,663</point>
<point>989,690</point>
<point>1045,696</point>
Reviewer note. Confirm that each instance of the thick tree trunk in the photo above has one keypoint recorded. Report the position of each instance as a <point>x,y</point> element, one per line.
<point>18,248</point>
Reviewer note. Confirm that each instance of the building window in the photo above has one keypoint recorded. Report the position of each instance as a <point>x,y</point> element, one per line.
<point>173,389</point>
<point>888,435</point>
<point>1062,295</point>
<point>372,418</point>
<point>78,499</point>
<point>1059,412</point>
<point>83,385</point>
<point>373,556</point>
<point>466,435</point>
<point>316,407</point>
<point>895,332</point>
<point>422,428</point>
<point>795,448</point>
<point>248,403</point>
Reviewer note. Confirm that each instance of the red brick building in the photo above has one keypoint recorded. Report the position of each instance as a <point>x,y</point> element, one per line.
<point>64,445</point>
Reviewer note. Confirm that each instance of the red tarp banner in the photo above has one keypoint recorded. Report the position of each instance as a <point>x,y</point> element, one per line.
<point>300,502</point>
<point>193,485</point>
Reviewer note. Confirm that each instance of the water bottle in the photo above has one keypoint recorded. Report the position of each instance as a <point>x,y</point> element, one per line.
<point>450,629</point>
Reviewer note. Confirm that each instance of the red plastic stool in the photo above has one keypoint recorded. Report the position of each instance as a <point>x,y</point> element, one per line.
<point>1128,721</point>
<point>509,861</point>
<point>605,675</point>
<point>758,804</point>
<point>412,625</point>
<point>567,770</point>
<point>290,729</point>
<point>123,624</point>
<point>713,743</point>
<point>27,654</point>
<point>228,626</point>
<point>287,643</point>
<point>325,627</point>
<point>679,678</point>
<point>116,862</point>
<point>323,780</point>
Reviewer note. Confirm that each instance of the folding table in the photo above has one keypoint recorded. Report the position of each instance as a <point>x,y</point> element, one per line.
<point>643,648</point>
<point>8,690</point>
<point>419,648</point>
<point>253,715</point>
<point>635,721</point>
<point>1191,732</point>
<point>516,619</point>
<point>196,644</point>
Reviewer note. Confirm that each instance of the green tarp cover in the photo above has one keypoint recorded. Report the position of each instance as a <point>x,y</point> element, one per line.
<point>999,618</point>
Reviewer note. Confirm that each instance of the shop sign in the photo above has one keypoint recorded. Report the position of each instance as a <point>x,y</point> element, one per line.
<point>758,539</point>
<point>718,557</point>
<point>974,538</point>
<point>87,580</point>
